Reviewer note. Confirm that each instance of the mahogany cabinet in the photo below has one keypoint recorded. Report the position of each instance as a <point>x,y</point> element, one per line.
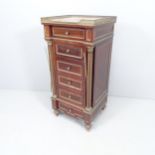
<point>79,55</point>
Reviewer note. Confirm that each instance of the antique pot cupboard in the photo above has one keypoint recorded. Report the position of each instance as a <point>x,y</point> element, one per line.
<point>79,55</point>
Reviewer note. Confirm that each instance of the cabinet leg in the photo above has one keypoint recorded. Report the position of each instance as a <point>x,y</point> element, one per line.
<point>88,126</point>
<point>103,107</point>
<point>56,112</point>
<point>87,121</point>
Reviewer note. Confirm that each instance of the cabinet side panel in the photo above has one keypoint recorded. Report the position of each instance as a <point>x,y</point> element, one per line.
<point>102,30</point>
<point>102,58</point>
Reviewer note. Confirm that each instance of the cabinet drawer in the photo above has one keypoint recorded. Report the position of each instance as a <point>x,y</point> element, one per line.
<point>75,33</point>
<point>71,97</point>
<point>69,51</point>
<point>69,68</point>
<point>69,110</point>
<point>69,82</point>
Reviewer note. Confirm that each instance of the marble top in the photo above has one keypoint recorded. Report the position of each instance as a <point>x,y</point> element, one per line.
<point>78,20</point>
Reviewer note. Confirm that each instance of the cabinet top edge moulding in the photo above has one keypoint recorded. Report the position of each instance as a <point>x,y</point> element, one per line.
<point>78,20</point>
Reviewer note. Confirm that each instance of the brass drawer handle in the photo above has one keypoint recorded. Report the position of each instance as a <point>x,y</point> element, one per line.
<point>68,50</point>
<point>69,96</point>
<point>69,110</point>
<point>66,33</point>
<point>69,82</point>
<point>68,68</point>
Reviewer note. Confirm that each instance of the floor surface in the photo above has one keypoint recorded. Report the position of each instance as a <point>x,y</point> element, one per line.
<point>29,127</point>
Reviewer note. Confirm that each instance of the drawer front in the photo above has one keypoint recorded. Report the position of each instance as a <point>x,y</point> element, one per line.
<point>71,97</point>
<point>74,33</point>
<point>70,68</point>
<point>69,82</point>
<point>69,51</point>
<point>69,110</point>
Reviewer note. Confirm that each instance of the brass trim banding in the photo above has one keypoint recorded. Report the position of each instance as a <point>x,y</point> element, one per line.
<point>68,36</point>
<point>70,65</point>
<point>69,55</point>
<point>105,37</point>
<point>89,77</point>
<point>70,104</point>
<point>50,53</point>
<point>70,99</point>
<point>69,85</point>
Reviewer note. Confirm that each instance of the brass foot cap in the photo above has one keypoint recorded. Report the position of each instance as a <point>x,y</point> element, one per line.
<point>88,127</point>
<point>56,112</point>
